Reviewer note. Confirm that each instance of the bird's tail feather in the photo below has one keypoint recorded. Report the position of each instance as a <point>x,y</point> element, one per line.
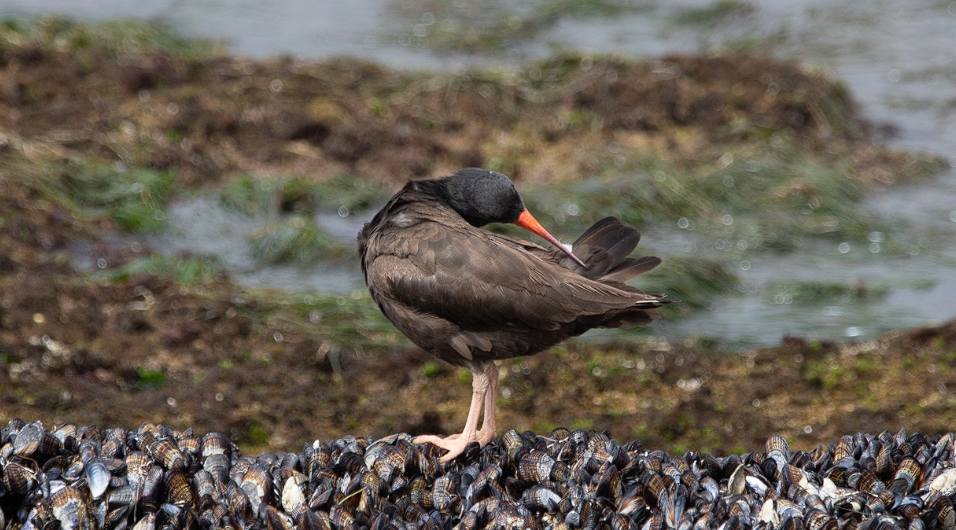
<point>604,249</point>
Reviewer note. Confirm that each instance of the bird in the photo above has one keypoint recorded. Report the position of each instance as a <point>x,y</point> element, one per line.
<point>470,296</point>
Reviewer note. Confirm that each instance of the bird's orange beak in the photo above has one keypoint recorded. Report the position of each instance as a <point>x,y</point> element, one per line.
<point>529,223</point>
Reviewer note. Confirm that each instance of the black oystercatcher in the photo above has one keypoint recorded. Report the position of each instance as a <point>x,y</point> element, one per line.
<point>469,296</point>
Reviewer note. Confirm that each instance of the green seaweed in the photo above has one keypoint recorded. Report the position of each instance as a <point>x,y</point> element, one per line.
<point>692,281</point>
<point>776,198</point>
<point>146,378</point>
<point>713,14</point>
<point>183,270</point>
<point>349,192</point>
<point>299,195</point>
<point>295,239</point>
<point>819,292</point>
<point>495,27</point>
<point>353,319</point>
<point>248,194</point>
<point>134,198</point>
<point>119,37</point>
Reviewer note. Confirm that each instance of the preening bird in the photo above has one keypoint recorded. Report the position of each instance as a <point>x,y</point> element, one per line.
<point>470,297</point>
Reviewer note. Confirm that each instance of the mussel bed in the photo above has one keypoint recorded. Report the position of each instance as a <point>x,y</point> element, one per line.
<point>156,477</point>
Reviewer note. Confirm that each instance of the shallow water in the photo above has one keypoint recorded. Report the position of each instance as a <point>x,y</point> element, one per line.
<point>198,225</point>
<point>897,58</point>
<point>918,292</point>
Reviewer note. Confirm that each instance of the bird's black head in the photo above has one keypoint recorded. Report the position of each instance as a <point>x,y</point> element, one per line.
<point>482,196</point>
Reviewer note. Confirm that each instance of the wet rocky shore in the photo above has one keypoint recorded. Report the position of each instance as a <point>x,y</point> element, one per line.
<point>156,477</point>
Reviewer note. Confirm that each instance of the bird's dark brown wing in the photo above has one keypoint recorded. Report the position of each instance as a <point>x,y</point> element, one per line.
<point>480,281</point>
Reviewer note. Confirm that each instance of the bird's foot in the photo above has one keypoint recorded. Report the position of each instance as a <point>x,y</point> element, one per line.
<point>485,437</point>
<point>456,443</point>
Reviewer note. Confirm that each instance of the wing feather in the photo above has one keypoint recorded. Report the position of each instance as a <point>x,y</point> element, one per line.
<point>480,281</point>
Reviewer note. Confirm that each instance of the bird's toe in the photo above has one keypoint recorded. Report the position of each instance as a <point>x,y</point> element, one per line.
<point>454,444</point>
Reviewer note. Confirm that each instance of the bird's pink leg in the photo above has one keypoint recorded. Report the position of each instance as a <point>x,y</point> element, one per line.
<point>456,443</point>
<point>489,431</point>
